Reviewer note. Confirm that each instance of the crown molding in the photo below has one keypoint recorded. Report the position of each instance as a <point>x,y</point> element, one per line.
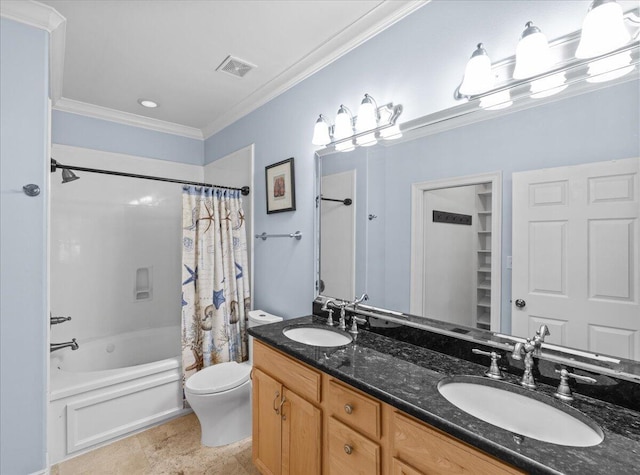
<point>126,118</point>
<point>45,18</point>
<point>377,20</point>
<point>33,14</point>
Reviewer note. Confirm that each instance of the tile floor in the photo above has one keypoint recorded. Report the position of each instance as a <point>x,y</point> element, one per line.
<point>172,448</point>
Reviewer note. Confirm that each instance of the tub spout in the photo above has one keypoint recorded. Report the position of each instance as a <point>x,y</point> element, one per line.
<point>73,344</point>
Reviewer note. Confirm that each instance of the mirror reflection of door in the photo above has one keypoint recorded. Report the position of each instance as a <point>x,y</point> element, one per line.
<point>338,235</point>
<point>454,269</point>
<point>576,256</point>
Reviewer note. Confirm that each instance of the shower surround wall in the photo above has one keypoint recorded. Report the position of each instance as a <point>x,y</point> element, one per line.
<point>104,229</point>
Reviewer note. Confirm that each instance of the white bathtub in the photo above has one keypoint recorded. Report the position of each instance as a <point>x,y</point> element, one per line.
<point>111,387</point>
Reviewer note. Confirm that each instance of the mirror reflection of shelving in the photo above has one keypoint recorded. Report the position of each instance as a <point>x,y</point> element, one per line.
<point>483,286</point>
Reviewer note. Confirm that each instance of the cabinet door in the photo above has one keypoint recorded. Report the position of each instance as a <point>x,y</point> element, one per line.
<point>267,447</point>
<point>301,436</point>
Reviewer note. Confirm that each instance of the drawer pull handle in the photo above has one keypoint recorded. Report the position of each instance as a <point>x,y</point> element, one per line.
<point>348,449</point>
<point>348,408</point>
<point>276,409</point>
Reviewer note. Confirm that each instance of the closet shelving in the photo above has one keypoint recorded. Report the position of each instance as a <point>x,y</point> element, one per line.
<point>483,241</point>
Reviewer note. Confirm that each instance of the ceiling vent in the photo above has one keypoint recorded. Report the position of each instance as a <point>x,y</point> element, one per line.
<point>235,67</point>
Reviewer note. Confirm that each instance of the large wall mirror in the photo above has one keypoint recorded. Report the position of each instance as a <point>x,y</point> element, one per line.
<point>430,225</point>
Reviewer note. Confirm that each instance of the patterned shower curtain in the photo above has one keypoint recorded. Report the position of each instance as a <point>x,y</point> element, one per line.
<point>215,284</point>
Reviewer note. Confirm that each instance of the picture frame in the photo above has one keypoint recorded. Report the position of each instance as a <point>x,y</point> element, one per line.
<point>280,186</point>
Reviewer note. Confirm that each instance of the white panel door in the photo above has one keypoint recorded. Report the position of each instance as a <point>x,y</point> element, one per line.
<point>576,255</point>
<point>338,236</point>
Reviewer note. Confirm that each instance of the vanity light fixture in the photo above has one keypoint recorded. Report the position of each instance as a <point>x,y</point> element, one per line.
<point>148,103</point>
<point>604,53</point>
<point>371,123</point>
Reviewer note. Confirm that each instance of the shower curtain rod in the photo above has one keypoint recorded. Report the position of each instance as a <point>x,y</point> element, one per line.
<point>55,165</point>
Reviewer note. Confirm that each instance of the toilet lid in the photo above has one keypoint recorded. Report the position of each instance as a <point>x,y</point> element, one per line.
<point>218,378</point>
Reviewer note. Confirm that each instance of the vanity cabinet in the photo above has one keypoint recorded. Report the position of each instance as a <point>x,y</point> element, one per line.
<point>287,428</point>
<point>327,427</point>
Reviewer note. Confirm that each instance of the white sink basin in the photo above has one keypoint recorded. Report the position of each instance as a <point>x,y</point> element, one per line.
<point>317,336</point>
<point>520,413</point>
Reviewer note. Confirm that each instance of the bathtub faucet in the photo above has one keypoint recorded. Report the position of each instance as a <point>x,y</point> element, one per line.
<point>73,344</point>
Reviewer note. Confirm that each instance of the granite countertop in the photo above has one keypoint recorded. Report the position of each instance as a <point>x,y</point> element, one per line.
<point>406,377</point>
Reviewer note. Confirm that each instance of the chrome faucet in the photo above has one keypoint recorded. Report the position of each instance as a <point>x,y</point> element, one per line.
<point>528,349</point>
<point>325,308</point>
<point>354,324</point>
<point>358,300</point>
<point>73,344</point>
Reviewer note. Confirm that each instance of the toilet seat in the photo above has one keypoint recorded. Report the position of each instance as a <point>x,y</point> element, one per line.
<point>218,378</point>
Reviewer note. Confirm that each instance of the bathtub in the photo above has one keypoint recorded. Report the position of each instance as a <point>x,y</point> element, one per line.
<point>112,387</point>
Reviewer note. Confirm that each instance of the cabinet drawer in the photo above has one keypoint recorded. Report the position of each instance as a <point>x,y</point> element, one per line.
<point>431,451</point>
<point>401,468</point>
<point>357,410</point>
<point>350,452</point>
<point>295,376</point>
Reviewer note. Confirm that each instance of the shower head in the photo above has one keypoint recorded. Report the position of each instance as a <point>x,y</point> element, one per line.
<point>68,175</point>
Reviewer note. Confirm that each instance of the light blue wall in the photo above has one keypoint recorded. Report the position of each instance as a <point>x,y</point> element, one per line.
<point>417,62</point>
<point>602,125</point>
<point>98,134</point>
<point>23,296</point>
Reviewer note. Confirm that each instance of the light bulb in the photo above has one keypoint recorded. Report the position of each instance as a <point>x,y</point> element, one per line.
<point>533,55</point>
<point>367,118</point>
<point>603,30</point>
<point>321,132</point>
<point>478,77</point>
<point>344,124</point>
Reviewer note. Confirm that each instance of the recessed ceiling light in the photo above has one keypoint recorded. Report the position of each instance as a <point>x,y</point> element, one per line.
<point>147,103</point>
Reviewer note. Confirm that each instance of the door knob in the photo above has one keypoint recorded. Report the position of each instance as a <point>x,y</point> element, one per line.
<point>520,303</point>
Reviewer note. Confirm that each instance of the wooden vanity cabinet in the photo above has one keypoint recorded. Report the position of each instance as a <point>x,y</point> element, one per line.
<point>327,427</point>
<point>287,428</point>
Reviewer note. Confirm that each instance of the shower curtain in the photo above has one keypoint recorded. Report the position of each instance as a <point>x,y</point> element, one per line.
<point>215,285</point>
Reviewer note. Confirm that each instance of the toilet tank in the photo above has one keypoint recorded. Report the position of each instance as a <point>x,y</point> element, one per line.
<point>256,318</point>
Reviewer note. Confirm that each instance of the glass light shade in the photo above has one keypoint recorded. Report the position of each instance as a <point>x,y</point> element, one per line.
<point>344,124</point>
<point>367,118</point>
<point>478,77</point>
<point>603,30</point>
<point>533,55</point>
<point>613,67</point>
<point>548,86</point>
<point>321,133</point>
<point>345,146</point>
<point>391,133</point>
<point>496,101</point>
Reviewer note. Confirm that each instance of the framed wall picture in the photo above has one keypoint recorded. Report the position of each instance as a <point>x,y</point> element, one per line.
<point>281,190</point>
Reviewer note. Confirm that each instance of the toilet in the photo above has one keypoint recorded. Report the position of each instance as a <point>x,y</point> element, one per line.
<point>220,395</point>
